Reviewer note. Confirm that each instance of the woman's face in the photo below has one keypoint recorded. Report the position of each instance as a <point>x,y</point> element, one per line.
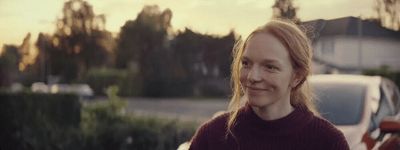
<point>266,72</point>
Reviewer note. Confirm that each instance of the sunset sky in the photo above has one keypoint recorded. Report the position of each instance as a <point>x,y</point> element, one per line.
<point>18,17</point>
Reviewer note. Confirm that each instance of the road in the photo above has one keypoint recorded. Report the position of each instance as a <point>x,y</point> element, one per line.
<point>197,110</point>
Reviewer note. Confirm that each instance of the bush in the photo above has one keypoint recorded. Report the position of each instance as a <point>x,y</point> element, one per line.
<point>58,122</point>
<point>101,78</point>
<point>384,71</point>
<point>131,84</point>
<point>38,121</point>
<point>136,133</point>
<point>105,126</point>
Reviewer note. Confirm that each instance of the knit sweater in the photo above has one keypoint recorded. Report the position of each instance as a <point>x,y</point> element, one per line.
<point>299,130</point>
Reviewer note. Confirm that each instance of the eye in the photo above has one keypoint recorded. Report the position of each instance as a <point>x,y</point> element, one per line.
<point>245,63</point>
<point>271,67</point>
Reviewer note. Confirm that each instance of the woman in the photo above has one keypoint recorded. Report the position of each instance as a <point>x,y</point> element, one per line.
<point>271,107</point>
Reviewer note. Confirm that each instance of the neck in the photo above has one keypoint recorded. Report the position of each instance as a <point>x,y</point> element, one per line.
<point>274,111</point>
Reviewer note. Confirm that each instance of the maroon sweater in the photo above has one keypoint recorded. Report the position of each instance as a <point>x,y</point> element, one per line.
<point>300,130</point>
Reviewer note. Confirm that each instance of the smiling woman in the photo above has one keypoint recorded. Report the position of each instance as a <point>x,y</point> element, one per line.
<point>271,107</point>
<point>267,75</point>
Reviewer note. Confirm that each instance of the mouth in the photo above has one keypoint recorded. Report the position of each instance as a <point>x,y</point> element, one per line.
<point>255,88</point>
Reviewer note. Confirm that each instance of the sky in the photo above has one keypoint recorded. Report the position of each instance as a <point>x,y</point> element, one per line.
<point>18,17</point>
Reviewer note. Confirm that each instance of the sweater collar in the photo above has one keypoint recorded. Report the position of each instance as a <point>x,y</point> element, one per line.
<point>289,124</point>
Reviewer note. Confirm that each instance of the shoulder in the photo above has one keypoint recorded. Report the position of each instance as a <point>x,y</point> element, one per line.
<point>324,126</point>
<point>211,131</point>
<point>217,123</point>
<point>325,132</point>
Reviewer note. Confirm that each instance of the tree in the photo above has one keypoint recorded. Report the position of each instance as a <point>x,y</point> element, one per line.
<point>143,46</point>
<point>284,9</point>
<point>194,52</point>
<point>9,60</point>
<point>199,58</point>
<point>79,43</point>
<point>388,13</point>
<point>225,54</point>
<point>138,38</point>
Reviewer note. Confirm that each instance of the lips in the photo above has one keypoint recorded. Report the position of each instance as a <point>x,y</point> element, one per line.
<point>254,90</point>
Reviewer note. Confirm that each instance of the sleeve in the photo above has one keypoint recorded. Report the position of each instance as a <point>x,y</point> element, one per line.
<point>199,140</point>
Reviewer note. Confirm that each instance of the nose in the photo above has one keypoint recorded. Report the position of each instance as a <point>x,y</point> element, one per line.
<point>254,75</point>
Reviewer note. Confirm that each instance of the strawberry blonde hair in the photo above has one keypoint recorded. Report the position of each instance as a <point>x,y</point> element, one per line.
<point>300,52</point>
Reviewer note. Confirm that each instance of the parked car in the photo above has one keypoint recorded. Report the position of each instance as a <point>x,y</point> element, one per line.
<point>364,108</point>
<point>82,90</point>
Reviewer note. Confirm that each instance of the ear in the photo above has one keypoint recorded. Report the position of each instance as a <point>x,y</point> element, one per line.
<point>296,79</point>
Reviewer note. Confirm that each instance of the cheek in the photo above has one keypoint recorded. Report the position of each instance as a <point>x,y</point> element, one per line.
<point>243,75</point>
<point>283,81</point>
<point>277,81</point>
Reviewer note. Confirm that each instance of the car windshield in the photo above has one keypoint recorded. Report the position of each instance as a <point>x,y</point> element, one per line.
<point>340,103</point>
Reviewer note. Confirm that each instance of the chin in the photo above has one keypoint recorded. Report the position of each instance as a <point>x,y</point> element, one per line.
<point>257,101</point>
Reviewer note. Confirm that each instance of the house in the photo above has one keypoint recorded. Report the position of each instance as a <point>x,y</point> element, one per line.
<point>350,45</point>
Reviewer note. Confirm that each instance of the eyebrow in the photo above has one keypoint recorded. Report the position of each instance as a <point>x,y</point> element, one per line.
<point>263,61</point>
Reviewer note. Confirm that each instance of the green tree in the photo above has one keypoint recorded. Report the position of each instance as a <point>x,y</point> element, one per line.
<point>143,46</point>
<point>384,71</point>
<point>200,57</point>
<point>388,13</point>
<point>79,43</point>
<point>225,54</point>
<point>284,9</point>
<point>194,51</point>
<point>9,60</point>
<point>139,38</point>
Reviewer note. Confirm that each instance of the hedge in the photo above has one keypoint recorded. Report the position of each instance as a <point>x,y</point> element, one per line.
<point>59,122</point>
<point>31,120</point>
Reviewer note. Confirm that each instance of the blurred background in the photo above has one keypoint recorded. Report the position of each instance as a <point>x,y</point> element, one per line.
<point>144,74</point>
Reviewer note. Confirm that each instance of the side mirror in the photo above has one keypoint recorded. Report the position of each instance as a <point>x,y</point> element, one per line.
<point>390,125</point>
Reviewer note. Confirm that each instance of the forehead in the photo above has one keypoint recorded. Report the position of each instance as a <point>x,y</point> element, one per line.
<point>264,46</point>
